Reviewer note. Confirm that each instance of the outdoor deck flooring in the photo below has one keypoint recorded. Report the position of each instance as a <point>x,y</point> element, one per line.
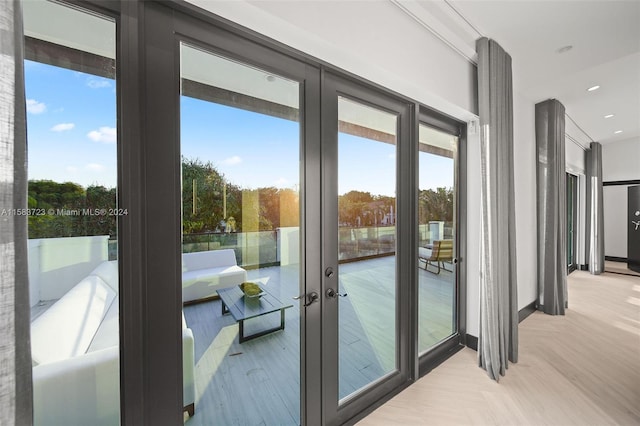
<point>258,382</point>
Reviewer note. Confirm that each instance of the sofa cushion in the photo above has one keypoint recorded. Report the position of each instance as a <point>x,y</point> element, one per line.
<point>203,283</point>
<point>67,328</point>
<point>108,271</point>
<point>208,259</point>
<point>107,334</point>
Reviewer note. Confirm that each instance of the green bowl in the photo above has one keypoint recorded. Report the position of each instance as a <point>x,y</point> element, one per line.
<point>251,290</point>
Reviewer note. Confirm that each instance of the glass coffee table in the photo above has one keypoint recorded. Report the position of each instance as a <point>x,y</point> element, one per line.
<point>243,308</point>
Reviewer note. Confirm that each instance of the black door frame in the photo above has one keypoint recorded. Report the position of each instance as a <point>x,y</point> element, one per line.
<point>149,187</point>
<point>457,340</point>
<point>333,86</point>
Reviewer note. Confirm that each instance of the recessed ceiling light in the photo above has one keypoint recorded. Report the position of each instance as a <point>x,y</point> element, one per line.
<point>592,88</point>
<point>270,78</point>
<point>564,49</point>
<point>608,116</point>
<point>617,131</point>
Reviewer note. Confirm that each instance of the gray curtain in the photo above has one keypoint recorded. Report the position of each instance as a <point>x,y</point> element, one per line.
<point>15,348</point>
<point>498,339</point>
<point>595,220</point>
<point>552,208</point>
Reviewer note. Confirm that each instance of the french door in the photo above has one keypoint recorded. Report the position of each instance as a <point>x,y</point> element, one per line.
<point>307,181</point>
<point>366,222</point>
<point>249,157</point>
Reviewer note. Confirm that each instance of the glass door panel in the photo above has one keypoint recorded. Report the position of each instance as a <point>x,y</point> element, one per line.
<point>70,82</point>
<point>367,345</point>
<point>437,237</point>
<point>240,147</point>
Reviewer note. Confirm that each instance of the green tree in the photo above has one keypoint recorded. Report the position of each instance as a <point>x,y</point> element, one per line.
<point>47,194</point>
<point>436,205</point>
<point>204,184</point>
<point>99,197</point>
<point>352,207</point>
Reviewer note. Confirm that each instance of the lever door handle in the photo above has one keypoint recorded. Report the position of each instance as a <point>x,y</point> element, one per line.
<point>311,297</point>
<point>331,293</point>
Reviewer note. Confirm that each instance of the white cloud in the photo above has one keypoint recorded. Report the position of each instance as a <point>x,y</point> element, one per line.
<point>94,167</point>
<point>98,83</point>
<point>103,134</point>
<point>231,161</point>
<point>282,182</point>
<point>35,107</point>
<point>62,127</point>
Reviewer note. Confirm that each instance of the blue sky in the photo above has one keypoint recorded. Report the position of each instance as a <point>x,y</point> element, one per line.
<point>71,122</point>
<point>71,119</point>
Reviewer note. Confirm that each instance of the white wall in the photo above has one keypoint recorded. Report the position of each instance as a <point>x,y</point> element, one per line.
<point>288,247</point>
<point>377,41</point>
<point>524,153</point>
<point>574,157</point>
<point>620,161</point>
<point>372,39</point>
<point>473,234</point>
<point>58,264</point>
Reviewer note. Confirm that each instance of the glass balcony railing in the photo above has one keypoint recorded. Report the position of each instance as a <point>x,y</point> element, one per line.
<point>253,249</point>
<point>261,248</point>
<point>366,242</point>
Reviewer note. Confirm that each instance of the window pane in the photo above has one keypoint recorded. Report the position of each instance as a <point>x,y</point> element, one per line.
<point>437,236</point>
<point>367,245</point>
<point>240,145</point>
<point>73,267</point>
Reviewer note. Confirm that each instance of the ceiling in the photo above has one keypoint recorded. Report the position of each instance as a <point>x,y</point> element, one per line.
<point>605,36</point>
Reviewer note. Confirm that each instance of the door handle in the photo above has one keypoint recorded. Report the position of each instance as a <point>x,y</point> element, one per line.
<point>332,294</point>
<point>311,297</point>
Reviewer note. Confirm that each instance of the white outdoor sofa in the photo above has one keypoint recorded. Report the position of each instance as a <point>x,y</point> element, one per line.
<point>205,272</point>
<point>75,351</point>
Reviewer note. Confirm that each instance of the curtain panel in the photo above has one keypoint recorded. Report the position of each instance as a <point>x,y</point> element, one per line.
<point>552,207</point>
<point>15,347</point>
<point>595,210</point>
<point>498,339</point>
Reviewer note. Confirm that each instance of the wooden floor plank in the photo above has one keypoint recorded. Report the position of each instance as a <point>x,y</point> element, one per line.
<point>579,369</point>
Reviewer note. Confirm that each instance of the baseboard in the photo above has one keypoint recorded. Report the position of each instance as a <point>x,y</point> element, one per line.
<point>621,182</point>
<point>616,259</point>
<point>471,342</point>
<point>526,311</point>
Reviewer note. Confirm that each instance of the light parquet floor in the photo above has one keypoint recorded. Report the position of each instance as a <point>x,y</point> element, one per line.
<point>619,268</point>
<point>579,369</point>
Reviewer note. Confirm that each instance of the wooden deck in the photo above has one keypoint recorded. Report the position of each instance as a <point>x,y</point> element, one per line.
<point>258,383</point>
